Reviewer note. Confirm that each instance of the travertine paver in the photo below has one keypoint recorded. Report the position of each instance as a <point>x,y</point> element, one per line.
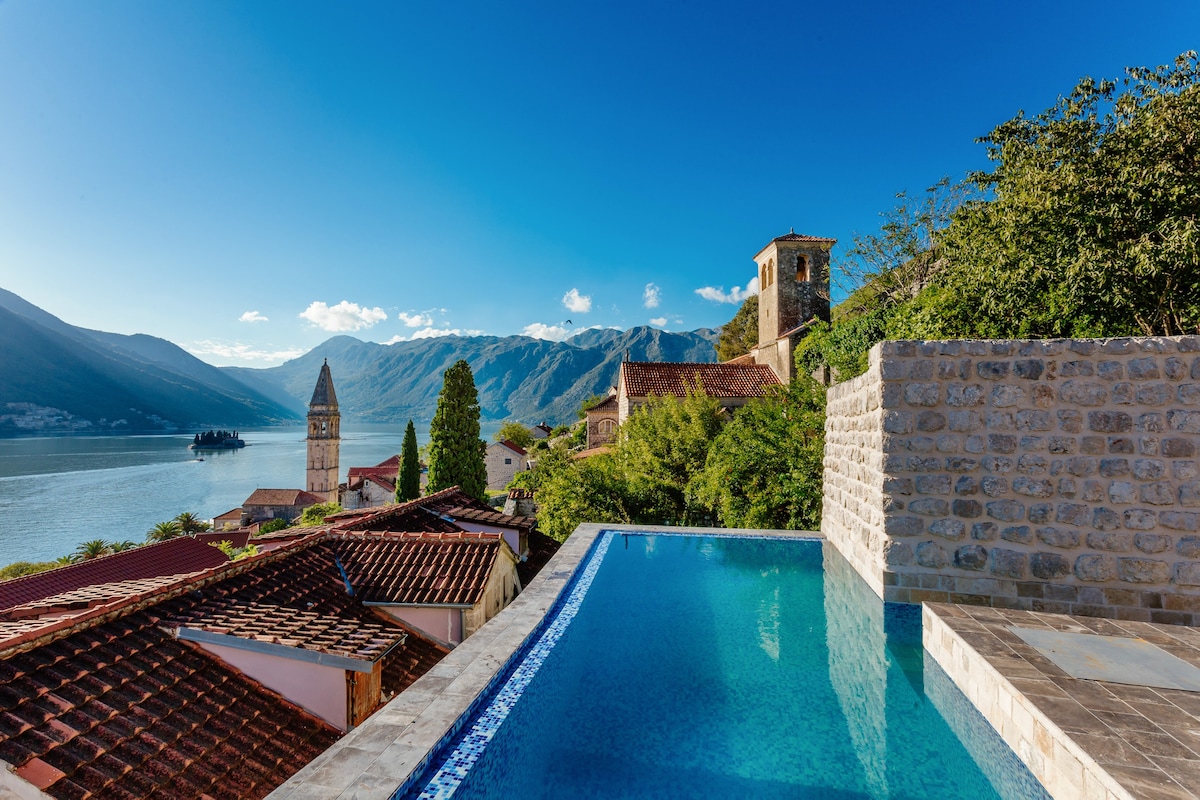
<point>1081,738</point>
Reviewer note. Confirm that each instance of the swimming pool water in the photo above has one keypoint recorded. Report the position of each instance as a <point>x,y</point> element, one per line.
<point>718,667</point>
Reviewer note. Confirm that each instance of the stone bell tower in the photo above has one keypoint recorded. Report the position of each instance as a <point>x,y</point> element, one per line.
<point>793,288</point>
<point>324,423</point>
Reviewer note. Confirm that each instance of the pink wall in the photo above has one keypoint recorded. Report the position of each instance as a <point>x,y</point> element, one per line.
<point>441,623</point>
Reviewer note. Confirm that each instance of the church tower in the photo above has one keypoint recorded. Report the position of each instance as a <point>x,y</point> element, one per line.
<point>793,288</point>
<point>324,423</point>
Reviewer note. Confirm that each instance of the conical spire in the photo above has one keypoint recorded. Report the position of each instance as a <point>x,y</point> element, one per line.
<point>323,394</point>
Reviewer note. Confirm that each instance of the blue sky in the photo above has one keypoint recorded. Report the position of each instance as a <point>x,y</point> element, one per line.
<point>249,179</point>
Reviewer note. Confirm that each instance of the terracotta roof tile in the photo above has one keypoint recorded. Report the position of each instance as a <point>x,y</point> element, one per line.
<point>516,448</point>
<point>541,549</point>
<point>282,497</point>
<point>179,556</point>
<point>492,517</point>
<point>419,568</point>
<point>645,378</point>
<point>799,237</point>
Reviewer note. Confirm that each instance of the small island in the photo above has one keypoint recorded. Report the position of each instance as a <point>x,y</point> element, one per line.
<point>216,440</point>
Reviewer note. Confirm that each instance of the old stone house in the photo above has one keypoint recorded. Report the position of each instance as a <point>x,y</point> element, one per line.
<point>503,461</point>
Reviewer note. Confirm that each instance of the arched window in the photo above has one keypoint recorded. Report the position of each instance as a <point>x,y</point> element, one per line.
<point>802,269</point>
<point>770,272</point>
<point>606,427</point>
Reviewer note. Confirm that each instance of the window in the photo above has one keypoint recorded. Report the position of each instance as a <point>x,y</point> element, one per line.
<point>606,426</point>
<point>801,269</point>
<point>508,461</point>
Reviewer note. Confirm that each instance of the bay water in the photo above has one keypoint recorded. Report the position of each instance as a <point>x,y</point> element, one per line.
<point>56,492</point>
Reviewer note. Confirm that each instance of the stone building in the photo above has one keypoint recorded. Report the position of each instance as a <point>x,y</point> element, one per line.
<point>324,423</point>
<point>733,384</point>
<point>793,292</point>
<point>602,420</point>
<point>503,460</point>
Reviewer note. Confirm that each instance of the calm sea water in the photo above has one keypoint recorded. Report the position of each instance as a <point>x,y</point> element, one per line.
<point>715,667</point>
<point>56,492</point>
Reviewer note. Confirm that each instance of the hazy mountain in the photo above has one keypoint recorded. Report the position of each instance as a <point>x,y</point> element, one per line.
<point>58,377</point>
<point>519,378</point>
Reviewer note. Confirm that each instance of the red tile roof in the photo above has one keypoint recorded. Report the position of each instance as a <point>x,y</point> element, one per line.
<point>238,538</point>
<point>282,497</point>
<point>516,448</point>
<point>541,549</point>
<point>645,378</point>
<point>386,469</point>
<point>122,709</point>
<point>492,517</point>
<point>423,514</point>
<point>179,556</point>
<point>799,237</point>
<point>419,568</point>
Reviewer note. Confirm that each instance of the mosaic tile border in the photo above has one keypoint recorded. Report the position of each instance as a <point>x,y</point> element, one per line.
<point>458,762</point>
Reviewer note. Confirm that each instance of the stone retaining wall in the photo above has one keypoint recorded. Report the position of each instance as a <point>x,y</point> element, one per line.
<point>1055,475</point>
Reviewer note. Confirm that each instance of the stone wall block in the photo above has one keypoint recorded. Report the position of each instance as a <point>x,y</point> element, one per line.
<point>898,485</point>
<point>952,529</point>
<point>899,422</point>
<point>893,369</point>
<point>933,484</point>
<point>930,421</point>
<point>1082,393</point>
<point>897,554</point>
<point>1161,493</point>
<point>903,526</point>
<point>1189,394</point>
<point>1006,395</point>
<point>922,394</point>
<point>1105,519</point>
<point>1175,369</point>
<point>992,370</point>
<point>971,556</point>
<point>1110,370</point>
<point>1032,487</point>
<point>1049,566</point>
<point>1122,394</point>
<point>994,486</point>
<point>1062,445</point>
<point>1178,447</point>
<point>890,395</point>
<point>966,485</point>
<point>1179,520</point>
<point>1109,421</point>
<point>948,443</point>
<point>1006,510</point>
<point>1002,443</point>
<point>1034,420</point>
<point>1184,421</point>
<point>1039,513</point>
<point>1008,563</point>
<point>1140,519</point>
<point>1113,542</point>
<point>1077,369</point>
<point>1063,538</point>
<point>1114,467</point>
<point>961,464</point>
<point>1143,570</point>
<point>1092,567</point>
<point>929,507</point>
<point>1189,494</point>
<point>1144,369</point>
<point>1152,542</point>
<point>1155,394</point>
<point>1032,463</point>
<point>1187,573</point>
<point>1072,514</point>
<point>983,531</point>
<point>964,395</point>
<point>1124,445</point>
<point>1084,347</point>
<point>1185,470</point>
<point>1093,445</point>
<point>1070,420</point>
<point>966,508</point>
<point>1082,466</point>
<point>1029,369</point>
<point>1188,546</point>
<point>1148,469</point>
<point>1017,533</point>
<point>932,555</point>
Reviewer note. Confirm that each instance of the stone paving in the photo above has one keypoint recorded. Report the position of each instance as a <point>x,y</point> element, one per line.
<point>1081,738</point>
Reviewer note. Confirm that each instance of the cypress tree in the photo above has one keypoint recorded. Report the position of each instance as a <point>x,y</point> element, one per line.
<point>408,481</point>
<point>455,449</point>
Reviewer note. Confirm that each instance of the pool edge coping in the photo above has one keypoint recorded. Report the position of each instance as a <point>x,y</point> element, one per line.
<point>379,756</point>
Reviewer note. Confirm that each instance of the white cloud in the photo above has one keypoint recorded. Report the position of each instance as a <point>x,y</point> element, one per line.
<point>252,316</point>
<point>651,296</point>
<point>345,316</point>
<point>659,322</point>
<point>434,333</point>
<point>553,333</point>
<point>579,303</point>
<point>235,351</point>
<point>717,293</point>
<point>415,320</point>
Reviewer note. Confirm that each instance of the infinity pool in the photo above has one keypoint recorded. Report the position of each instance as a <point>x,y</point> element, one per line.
<point>717,667</point>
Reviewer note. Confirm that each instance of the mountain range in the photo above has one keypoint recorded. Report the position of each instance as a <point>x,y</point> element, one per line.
<point>61,378</point>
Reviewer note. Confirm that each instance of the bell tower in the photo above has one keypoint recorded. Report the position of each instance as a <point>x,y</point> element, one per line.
<point>324,423</point>
<point>793,288</point>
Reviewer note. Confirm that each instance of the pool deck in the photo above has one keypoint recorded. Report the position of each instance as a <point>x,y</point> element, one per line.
<point>376,758</point>
<point>1081,738</point>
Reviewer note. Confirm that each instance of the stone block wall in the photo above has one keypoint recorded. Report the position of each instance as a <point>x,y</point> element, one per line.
<point>1056,475</point>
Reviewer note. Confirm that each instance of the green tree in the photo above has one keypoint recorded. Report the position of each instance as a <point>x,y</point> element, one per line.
<point>92,549</point>
<point>163,531</point>
<point>408,479</point>
<point>117,547</point>
<point>272,525</point>
<point>1089,224</point>
<point>455,449</point>
<point>189,523</point>
<point>764,469</point>
<point>514,432</point>
<point>21,568</point>
<point>740,335</point>
<point>316,514</point>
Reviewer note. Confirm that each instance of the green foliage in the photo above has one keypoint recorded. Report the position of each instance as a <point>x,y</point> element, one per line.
<point>1091,226</point>
<point>455,449</point>
<point>842,346</point>
<point>574,492</point>
<point>236,553</point>
<point>94,548</point>
<point>272,525</point>
<point>316,514</point>
<point>20,568</point>
<point>163,531</point>
<point>764,469</point>
<point>408,480</point>
<point>189,523</point>
<point>117,547</point>
<point>588,402</point>
<point>740,335</point>
<point>514,432</point>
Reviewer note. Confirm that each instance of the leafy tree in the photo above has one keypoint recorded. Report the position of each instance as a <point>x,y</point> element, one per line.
<point>574,492</point>
<point>455,449</point>
<point>764,469</point>
<point>117,547</point>
<point>92,549</point>
<point>408,479</point>
<point>189,523</point>
<point>21,568</point>
<point>588,402</point>
<point>514,432</point>
<point>740,335</point>
<point>236,553</point>
<point>272,525</point>
<point>316,514</point>
<point>163,531</point>
<point>1090,224</point>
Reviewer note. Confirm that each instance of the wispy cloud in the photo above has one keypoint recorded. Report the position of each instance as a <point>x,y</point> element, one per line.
<point>579,303</point>
<point>415,320</point>
<point>345,316</point>
<point>553,333</point>
<point>658,322</point>
<point>235,351</point>
<point>651,295</point>
<point>717,293</point>
<point>252,316</point>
